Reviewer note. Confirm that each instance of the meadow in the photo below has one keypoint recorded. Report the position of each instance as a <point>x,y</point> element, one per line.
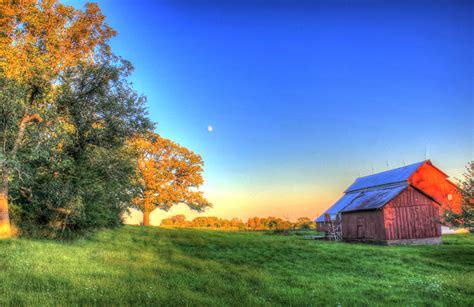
<point>161,266</point>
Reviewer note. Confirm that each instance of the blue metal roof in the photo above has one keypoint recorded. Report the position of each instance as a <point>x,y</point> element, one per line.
<point>338,206</point>
<point>374,198</point>
<point>400,174</point>
<point>364,200</point>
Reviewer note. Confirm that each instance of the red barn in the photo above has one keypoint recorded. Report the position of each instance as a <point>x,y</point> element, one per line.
<point>398,206</point>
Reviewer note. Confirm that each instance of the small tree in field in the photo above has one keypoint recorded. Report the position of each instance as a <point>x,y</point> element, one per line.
<point>465,217</point>
<point>167,174</point>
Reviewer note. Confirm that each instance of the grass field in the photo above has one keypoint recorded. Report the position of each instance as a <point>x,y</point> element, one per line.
<point>157,266</point>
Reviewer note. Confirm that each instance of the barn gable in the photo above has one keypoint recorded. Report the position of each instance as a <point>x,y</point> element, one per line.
<point>435,183</point>
<point>412,214</point>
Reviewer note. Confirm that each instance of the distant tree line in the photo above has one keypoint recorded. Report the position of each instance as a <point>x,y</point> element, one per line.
<point>255,223</point>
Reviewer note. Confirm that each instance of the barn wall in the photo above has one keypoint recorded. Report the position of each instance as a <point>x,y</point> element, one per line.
<point>363,225</point>
<point>434,183</point>
<point>411,215</point>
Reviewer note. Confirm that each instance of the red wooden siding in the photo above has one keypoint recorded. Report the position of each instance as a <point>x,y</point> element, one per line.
<point>411,215</point>
<point>363,225</point>
<point>434,183</point>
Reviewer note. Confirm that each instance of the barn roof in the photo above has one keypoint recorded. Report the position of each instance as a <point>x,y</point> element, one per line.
<point>396,175</point>
<point>368,199</point>
<point>374,198</point>
<point>338,206</point>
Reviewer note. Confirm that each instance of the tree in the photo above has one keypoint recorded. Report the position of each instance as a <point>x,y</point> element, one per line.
<point>167,174</point>
<point>78,175</point>
<point>176,221</point>
<point>304,223</point>
<point>255,223</point>
<point>200,222</point>
<point>236,223</point>
<point>40,40</point>
<point>464,218</point>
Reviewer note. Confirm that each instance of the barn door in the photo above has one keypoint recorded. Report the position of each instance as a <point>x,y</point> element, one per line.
<point>360,227</point>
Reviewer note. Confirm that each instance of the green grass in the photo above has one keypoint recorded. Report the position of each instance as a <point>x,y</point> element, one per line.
<point>157,266</point>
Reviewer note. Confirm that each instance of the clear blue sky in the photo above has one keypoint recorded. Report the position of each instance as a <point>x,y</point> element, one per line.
<point>303,96</point>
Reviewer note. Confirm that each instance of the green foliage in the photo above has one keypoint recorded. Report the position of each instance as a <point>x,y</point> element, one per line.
<point>12,108</point>
<point>155,266</point>
<point>77,176</point>
<point>465,217</point>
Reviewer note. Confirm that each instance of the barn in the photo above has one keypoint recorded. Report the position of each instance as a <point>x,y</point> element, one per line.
<point>399,206</point>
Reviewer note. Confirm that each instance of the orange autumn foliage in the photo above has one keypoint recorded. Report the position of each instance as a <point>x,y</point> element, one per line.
<point>167,174</point>
<point>39,39</point>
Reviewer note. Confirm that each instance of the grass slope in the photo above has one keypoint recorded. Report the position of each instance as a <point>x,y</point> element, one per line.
<point>156,266</point>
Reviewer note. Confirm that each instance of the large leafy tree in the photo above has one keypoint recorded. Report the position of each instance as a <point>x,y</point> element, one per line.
<point>77,176</point>
<point>167,174</point>
<point>463,218</point>
<point>40,40</point>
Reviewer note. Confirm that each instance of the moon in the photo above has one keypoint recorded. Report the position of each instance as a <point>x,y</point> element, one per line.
<point>210,128</point>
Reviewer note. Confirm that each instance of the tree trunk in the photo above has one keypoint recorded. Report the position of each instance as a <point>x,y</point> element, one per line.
<point>5,230</point>
<point>22,129</point>
<point>146,218</point>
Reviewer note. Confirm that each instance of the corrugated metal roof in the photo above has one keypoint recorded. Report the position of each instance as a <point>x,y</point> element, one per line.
<point>373,198</point>
<point>400,174</point>
<point>338,206</point>
<point>367,199</point>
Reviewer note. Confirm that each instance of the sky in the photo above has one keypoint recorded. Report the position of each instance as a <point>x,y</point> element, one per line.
<point>303,96</point>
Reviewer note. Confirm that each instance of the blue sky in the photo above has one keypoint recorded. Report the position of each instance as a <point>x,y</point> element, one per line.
<point>303,96</point>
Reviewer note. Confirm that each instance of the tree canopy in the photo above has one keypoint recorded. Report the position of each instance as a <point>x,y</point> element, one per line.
<point>78,174</point>
<point>40,39</point>
<point>167,174</point>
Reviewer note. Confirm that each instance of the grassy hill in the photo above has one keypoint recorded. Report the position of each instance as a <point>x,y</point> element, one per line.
<point>156,266</point>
